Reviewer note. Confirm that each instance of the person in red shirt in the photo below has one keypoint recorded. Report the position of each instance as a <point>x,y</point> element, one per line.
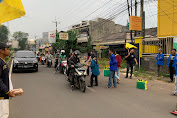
<point>118,58</point>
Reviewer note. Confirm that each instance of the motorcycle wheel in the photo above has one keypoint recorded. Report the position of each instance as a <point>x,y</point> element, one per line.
<point>82,86</point>
<point>64,70</point>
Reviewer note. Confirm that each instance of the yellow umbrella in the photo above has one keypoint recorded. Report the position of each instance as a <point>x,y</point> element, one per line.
<point>128,46</point>
<point>10,9</point>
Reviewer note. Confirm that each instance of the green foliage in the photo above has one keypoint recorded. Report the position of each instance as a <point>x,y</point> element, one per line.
<point>136,74</point>
<point>82,49</point>
<point>144,76</point>
<point>103,62</point>
<point>4,33</point>
<point>60,45</point>
<point>89,45</point>
<point>123,64</point>
<point>150,78</point>
<point>22,37</point>
<point>72,42</point>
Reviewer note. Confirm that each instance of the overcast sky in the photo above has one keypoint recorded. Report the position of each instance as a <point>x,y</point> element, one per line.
<point>41,13</point>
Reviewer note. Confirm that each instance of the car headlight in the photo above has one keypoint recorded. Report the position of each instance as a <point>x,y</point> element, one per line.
<point>35,61</point>
<point>15,61</point>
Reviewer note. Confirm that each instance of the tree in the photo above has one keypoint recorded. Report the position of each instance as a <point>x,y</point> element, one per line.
<point>22,37</point>
<point>73,34</point>
<point>4,33</point>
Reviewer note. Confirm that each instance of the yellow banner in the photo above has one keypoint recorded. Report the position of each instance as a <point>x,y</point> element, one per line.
<point>10,9</point>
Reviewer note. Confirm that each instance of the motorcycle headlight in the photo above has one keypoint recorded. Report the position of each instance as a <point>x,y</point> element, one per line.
<point>85,73</point>
<point>35,61</point>
<point>79,73</point>
<point>15,61</point>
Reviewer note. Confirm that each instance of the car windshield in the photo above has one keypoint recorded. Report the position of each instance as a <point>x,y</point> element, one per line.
<point>25,55</point>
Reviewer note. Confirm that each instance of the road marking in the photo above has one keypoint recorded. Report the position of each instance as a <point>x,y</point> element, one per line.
<point>91,89</point>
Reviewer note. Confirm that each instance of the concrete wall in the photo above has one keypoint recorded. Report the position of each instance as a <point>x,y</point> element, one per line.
<point>102,28</point>
<point>149,64</point>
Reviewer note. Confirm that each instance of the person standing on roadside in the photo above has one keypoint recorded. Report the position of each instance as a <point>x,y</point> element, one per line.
<point>160,62</point>
<point>118,58</point>
<point>170,63</point>
<point>95,71</point>
<point>175,67</point>
<point>5,82</point>
<point>113,68</point>
<point>89,59</point>
<point>130,62</point>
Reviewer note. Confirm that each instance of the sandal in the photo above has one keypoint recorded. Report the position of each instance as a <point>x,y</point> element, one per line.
<point>173,112</point>
<point>107,87</point>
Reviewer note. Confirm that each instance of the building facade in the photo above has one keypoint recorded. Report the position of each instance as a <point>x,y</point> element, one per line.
<point>83,29</point>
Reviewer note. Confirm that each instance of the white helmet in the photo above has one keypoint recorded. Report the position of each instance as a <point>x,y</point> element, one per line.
<point>62,51</point>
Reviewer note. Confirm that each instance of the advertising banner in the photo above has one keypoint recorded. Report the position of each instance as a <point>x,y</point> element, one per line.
<point>52,37</point>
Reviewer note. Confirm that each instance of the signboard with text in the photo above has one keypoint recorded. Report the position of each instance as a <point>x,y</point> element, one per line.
<point>63,36</point>
<point>52,37</point>
<point>135,23</point>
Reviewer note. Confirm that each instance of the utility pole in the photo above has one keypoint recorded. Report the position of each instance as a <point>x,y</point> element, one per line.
<point>135,14</point>
<point>142,16</point>
<point>129,15</point>
<point>56,22</point>
<point>135,7</point>
<point>131,8</point>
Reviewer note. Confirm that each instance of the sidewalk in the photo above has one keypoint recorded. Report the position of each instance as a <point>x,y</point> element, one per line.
<point>154,86</point>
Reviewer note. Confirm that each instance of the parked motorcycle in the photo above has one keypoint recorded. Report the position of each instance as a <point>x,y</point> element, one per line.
<point>79,77</point>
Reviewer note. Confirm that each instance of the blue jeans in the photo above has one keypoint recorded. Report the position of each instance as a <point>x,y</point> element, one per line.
<point>117,74</point>
<point>112,77</point>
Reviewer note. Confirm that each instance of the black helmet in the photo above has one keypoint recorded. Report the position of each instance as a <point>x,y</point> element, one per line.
<point>77,52</point>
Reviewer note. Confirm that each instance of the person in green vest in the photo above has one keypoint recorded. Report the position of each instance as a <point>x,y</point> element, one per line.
<point>62,56</point>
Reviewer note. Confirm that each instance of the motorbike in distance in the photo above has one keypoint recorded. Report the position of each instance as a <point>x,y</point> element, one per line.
<point>79,77</point>
<point>49,63</point>
<point>43,60</point>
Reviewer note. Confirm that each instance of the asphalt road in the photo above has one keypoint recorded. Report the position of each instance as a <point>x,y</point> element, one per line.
<point>48,95</point>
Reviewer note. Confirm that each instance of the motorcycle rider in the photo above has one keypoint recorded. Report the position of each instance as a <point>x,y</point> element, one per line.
<point>73,60</point>
<point>70,55</point>
<point>38,56</point>
<point>48,56</point>
<point>42,55</point>
<point>62,56</point>
<point>57,57</point>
